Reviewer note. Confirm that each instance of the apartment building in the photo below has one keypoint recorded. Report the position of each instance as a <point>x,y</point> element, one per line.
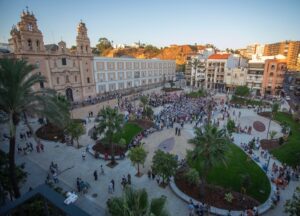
<point>273,77</point>
<point>290,49</point>
<point>196,67</point>
<point>117,74</point>
<point>235,77</point>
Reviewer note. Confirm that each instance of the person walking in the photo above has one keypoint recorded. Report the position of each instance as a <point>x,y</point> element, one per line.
<point>102,170</point>
<point>113,185</point>
<point>110,188</point>
<point>95,175</point>
<point>129,179</point>
<point>83,155</point>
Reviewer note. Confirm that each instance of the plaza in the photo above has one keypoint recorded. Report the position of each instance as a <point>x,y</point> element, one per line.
<point>71,165</point>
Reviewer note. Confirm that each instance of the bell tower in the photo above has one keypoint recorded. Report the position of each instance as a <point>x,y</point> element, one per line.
<point>26,36</point>
<point>82,40</point>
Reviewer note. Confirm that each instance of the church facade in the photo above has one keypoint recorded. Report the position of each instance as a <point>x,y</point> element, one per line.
<point>68,71</point>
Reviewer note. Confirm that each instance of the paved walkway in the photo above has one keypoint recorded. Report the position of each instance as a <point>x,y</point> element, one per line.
<point>69,158</point>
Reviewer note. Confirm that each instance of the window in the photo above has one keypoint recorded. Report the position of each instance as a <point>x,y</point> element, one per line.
<point>81,47</point>
<point>75,78</point>
<point>29,43</point>
<point>41,84</point>
<point>67,78</point>
<point>74,63</point>
<point>64,61</point>
<point>29,27</point>
<point>57,80</point>
<point>86,48</point>
<point>37,45</point>
<point>271,74</point>
<point>88,80</point>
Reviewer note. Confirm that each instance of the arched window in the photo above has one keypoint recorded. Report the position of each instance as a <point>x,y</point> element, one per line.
<point>86,48</point>
<point>29,43</point>
<point>37,45</point>
<point>271,74</point>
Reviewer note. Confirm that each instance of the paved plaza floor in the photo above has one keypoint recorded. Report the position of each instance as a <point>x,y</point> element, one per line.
<point>70,161</point>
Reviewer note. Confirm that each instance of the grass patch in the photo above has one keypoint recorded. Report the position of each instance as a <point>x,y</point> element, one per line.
<point>289,152</point>
<point>230,176</point>
<point>196,94</point>
<point>129,131</point>
<point>246,101</point>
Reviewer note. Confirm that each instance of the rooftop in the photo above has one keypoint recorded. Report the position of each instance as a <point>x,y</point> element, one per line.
<point>219,56</point>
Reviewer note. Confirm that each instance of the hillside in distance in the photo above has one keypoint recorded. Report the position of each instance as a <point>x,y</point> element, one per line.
<point>173,52</point>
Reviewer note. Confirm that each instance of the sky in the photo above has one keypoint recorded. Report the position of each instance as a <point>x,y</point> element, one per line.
<point>224,23</point>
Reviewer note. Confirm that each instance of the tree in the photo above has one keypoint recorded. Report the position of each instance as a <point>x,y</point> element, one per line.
<point>164,164</point>
<point>135,203</point>
<point>137,156</point>
<point>192,176</point>
<point>5,183</point>
<point>194,64</point>
<point>144,101</point>
<point>275,108</point>
<point>109,125</point>
<point>272,134</point>
<point>18,99</point>
<point>292,206</point>
<point>230,126</point>
<point>103,44</point>
<point>242,91</point>
<point>211,146</point>
<point>76,130</point>
<point>148,112</point>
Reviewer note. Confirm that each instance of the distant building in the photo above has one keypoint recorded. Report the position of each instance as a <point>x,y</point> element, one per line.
<point>273,77</point>
<point>290,49</point>
<point>121,74</point>
<point>196,66</point>
<point>259,76</point>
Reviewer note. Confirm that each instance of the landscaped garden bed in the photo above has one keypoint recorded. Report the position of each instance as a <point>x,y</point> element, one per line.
<point>196,94</point>
<point>145,124</point>
<point>247,101</point>
<point>50,132</point>
<point>214,195</point>
<point>130,130</point>
<point>269,144</point>
<point>239,174</point>
<point>171,89</point>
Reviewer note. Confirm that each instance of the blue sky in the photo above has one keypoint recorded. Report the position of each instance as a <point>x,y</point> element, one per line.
<point>225,23</point>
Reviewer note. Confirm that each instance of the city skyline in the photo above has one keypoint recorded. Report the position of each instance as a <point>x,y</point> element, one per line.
<point>229,24</point>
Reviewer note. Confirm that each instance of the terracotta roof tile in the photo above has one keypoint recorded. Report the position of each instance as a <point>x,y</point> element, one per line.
<point>219,56</point>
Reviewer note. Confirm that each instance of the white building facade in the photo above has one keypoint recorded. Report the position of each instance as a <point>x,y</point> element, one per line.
<point>117,74</point>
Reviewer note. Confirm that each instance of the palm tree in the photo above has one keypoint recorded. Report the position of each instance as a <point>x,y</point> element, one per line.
<point>109,125</point>
<point>18,100</point>
<point>194,64</point>
<point>135,203</point>
<point>275,108</point>
<point>210,147</point>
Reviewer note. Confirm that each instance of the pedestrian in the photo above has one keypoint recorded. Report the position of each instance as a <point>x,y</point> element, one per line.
<point>83,155</point>
<point>176,130</point>
<point>31,146</point>
<point>179,131</point>
<point>113,185</point>
<point>149,174</point>
<point>95,175</point>
<point>42,147</point>
<point>129,179</point>
<point>110,188</point>
<point>101,170</point>
<point>55,178</point>
<point>37,148</point>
